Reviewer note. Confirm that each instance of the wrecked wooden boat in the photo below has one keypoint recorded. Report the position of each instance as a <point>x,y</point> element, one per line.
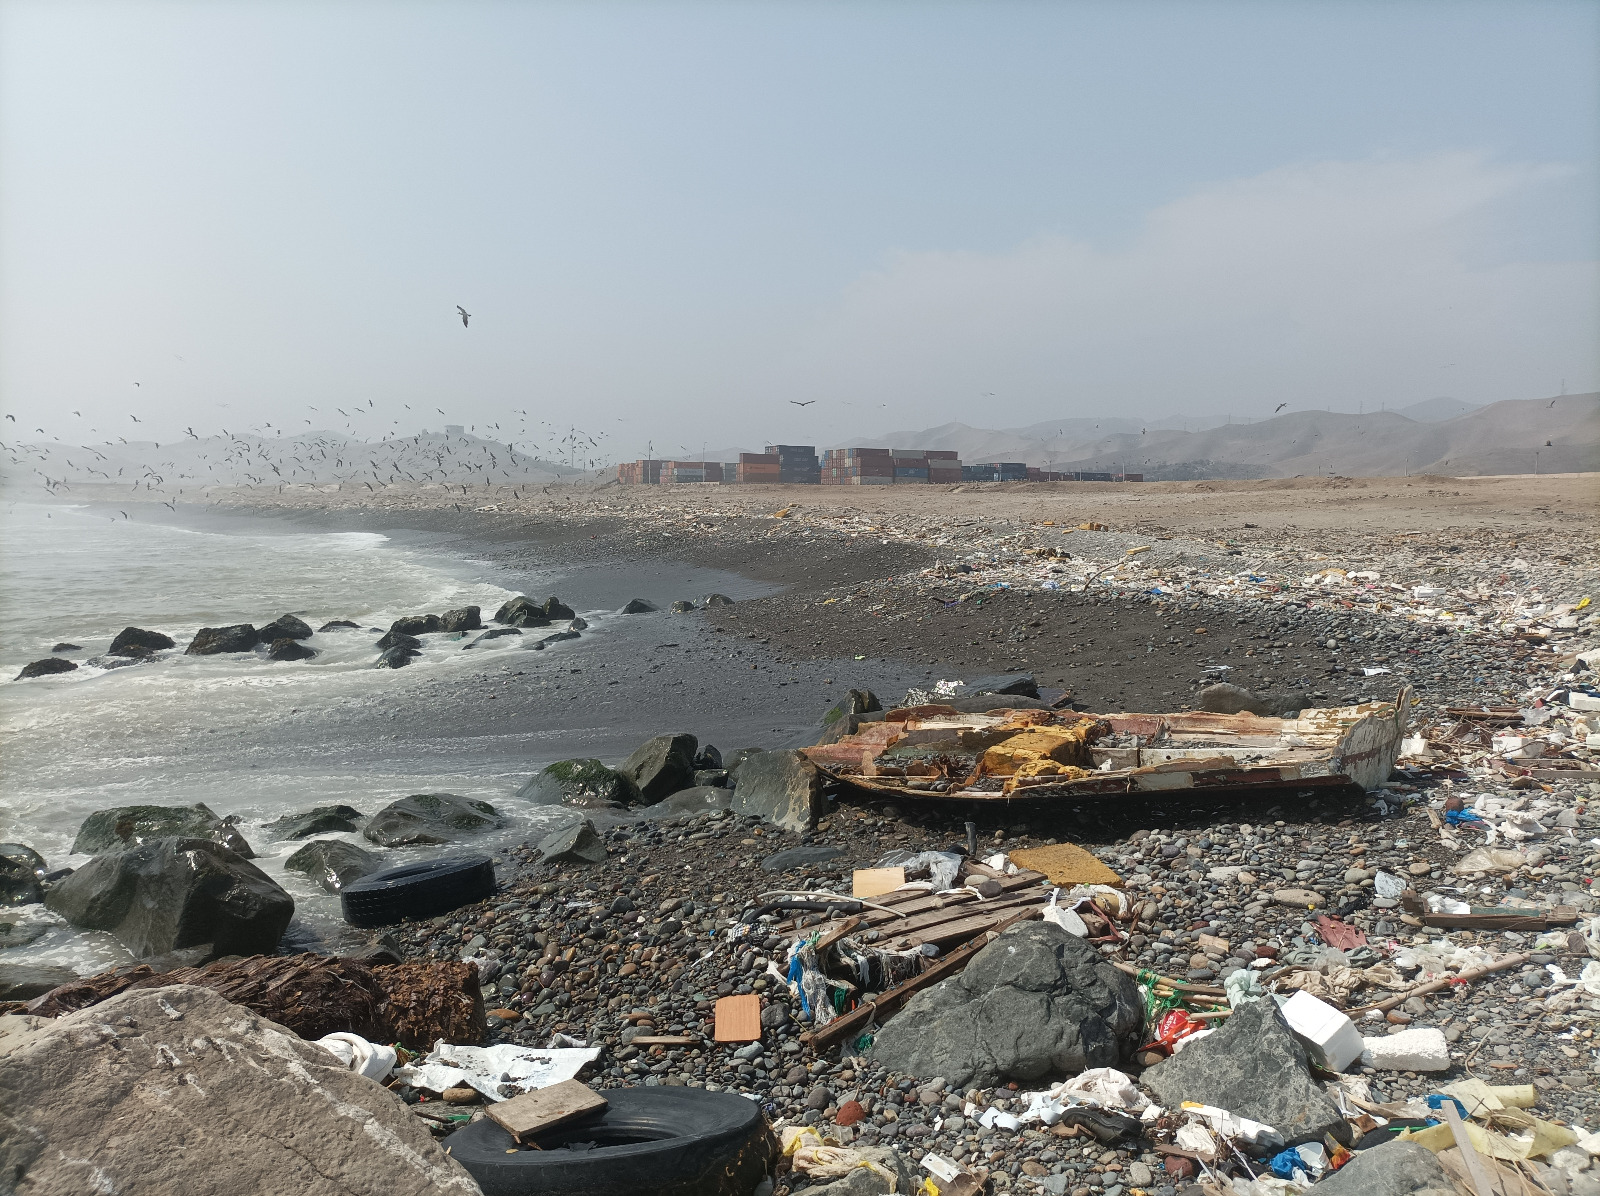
<point>935,752</point>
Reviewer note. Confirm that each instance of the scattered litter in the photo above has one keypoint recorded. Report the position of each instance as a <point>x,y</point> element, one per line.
<point>497,1071</point>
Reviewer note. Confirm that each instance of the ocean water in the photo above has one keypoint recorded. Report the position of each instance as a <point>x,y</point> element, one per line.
<point>247,736</point>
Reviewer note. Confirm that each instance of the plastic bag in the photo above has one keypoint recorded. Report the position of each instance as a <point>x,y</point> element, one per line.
<point>371,1059</point>
<point>1172,1026</point>
<point>1492,859</point>
<point>940,867</point>
<point>1242,988</point>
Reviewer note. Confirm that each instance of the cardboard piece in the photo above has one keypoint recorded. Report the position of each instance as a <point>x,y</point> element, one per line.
<point>739,1018</point>
<point>544,1108</point>
<point>875,882</point>
<point>1065,864</point>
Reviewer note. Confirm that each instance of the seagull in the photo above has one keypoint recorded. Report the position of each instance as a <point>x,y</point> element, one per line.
<point>798,403</point>
<point>1279,408</point>
<point>12,418</point>
<point>135,418</point>
<point>1551,403</point>
<point>465,315</point>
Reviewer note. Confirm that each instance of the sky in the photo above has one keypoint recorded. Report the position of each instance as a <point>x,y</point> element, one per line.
<point>673,223</point>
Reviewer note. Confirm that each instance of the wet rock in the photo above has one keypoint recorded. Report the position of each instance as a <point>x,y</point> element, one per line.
<point>493,633</point>
<point>135,637</point>
<point>333,863</point>
<point>555,609</point>
<point>697,799</point>
<point>396,658</point>
<point>1252,1066</point>
<point>586,784</point>
<point>320,820</point>
<point>521,612</point>
<point>285,627</point>
<point>176,892</point>
<point>214,641</point>
<point>800,857</point>
<point>715,777</point>
<point>578,843</point>
<point>128,826</point>
<point>24,981</point>
<point>21,870</point>
<point>1035,1002</point>
<point>463,618</point>
<point>1016,684</point>
<point>716,600</point>
<point>43,668</point>
<point>842,719</point>
<point>285,648</point>
<point>556,637</point>
<point>338,625</point>
<point>661,766</point>
<point>681,607</point>
<point>431,818</point>
<point>417,624</point>
<point>399,639</point>
<point>224,1101</point>
<point>708,757</point>
<point>1393,1169</point>
<point>637,606</point>
<point>65,647</point>
<point>782,787</point>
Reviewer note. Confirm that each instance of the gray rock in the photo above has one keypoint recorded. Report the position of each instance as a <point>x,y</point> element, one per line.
<point>431,818</point>
<point>782,787</point>
<point>43,668</point>
<point>398,639</point>
<point>284,648</point>
<point>1393,1169</point>
<point>333,863</point>
<point>493,633</point>
<point>213,641</point>
<point>136,637</point>
<point>866,1181</point>
<point>25,981</point>
<point>578,843</point>
<point>65,647</point>
<point>174,1089</point>
<point>682,607</point>
<point>320,820</point>
<point>586,784</point>
<point>285,627</point>
<point>176,892</point>
<point>555,609</point>
<point>800,857</point>
<point>1226,698</point>
<point>21,871</point>
<point>416,625</point>
<point>695,800</point>
<point>521,612</point>
<point>716,600</point>
<point>128,826</point>
<point>1252,1066</point>
<point>637,606</point>
<point>338,625</point>
<point>841,718</point>
<point>463,618</point>
<point>395,658</point>
<point>715,777</point>
<point>661,766</point>
<point>1035,1002</point>
<point>1017,684</point>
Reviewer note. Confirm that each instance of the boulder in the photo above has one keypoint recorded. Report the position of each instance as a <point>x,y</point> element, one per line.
<point>130,637</point>
<point>493,633</point>
<point>661,766</point>
<point>1392,1169</point>
<point>338,625</point>
<point>395,658</point>
<point>843,717</point>
<point>712,776</point>
<point>463,618</point>
<point>431,818</point>
<point>398,639</point>
<point>128,826</point>
<point>417,624</point>
<point>333,863</point>
<point>25,981</point>
<point>521,611</point>
<point>176,892</point>
<point>65,647</point>
<point>583,783</point>
<point>694,800</point>
<point>555,637</point>
<point>874,1180</point>
<point>175,1089</point>
<point>782,787</point>
<point>637,606</point>
<point>1255,1067</point>
<point>284,648</point>
<point>1226,698</point>
<point>213,641</point>
<point>716,600</point>
<point>1018,684</point>
<point>707,757</point>
<point>320,820</point>
<point>579,843</point>
<point>285,627</point>
<point>682,607</point>
<point>43,668</point>
<point>19,883</point>
<point>554,609</point>
<point>1036,1001</point>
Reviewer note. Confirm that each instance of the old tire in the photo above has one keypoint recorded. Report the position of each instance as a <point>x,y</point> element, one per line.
<point>417,890</point>
<point>664,1141</point>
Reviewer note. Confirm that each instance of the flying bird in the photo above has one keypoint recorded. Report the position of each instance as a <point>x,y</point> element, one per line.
<point>798,403</point>
<point>465,315</point>
<point>12,418</point>
<point>1551,403</point>
<point>135,418</point>
<point>1279,408</point>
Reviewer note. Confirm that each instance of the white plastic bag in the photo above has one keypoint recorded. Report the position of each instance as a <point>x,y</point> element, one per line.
<point>371,1059</point>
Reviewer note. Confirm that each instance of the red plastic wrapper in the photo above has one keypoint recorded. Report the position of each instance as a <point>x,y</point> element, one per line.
<point>1171,1026</point>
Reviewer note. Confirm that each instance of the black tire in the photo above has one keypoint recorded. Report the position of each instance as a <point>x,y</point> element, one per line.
<point>419,890</point>
<point>664,1141</point>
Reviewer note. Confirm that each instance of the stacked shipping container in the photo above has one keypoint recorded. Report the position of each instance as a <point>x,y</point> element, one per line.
<point>756,468</point>
<point>797,463</point>
<point>691,471</point>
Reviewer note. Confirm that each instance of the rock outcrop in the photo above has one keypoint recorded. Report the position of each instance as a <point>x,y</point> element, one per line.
<point>127,826</point>
<point>214,641</point>
<point>175,1089</point>
<point>1035,1002</point>
<point>173,893</point>
<point>586,784</point>
<point>425,818</point>
<point>782,787</point>
<point>138,637</point>
<point>45,667</point>
<point>464,618</point>
<point>285,627</point>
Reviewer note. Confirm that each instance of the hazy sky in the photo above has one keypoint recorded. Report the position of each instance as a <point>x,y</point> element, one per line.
<point>670,220</point>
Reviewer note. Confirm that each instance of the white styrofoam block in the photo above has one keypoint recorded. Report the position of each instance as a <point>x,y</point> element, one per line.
<point>1329,1036</point>
<point>1579,701</point>
<point>1421,1048</point>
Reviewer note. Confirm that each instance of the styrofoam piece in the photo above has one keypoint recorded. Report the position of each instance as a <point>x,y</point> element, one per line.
<point>1578,701</point>
<point>1330,1037</point>
<point>1421,1048</point>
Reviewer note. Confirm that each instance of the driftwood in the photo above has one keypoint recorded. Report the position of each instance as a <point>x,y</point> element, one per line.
<point>412,1003</point>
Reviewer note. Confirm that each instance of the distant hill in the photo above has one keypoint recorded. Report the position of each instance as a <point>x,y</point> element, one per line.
<point>1435,410</point>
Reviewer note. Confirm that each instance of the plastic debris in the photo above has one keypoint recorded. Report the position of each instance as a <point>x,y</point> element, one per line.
<point>373,1060</point>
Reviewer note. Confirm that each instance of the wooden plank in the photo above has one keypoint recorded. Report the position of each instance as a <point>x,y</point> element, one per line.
<point>526,1115</point>
<point>860,1018</point>
<point>934,923</point>
<point>961,929</point>
<point>1478,1173</point>
<point>1481,921</point>
<point>738,1019</point>
<point>875,882</point>
<point>836,932</point>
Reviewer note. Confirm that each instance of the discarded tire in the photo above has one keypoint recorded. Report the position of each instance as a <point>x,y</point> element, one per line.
<point>648,1142</point>
<point>417,890</point>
